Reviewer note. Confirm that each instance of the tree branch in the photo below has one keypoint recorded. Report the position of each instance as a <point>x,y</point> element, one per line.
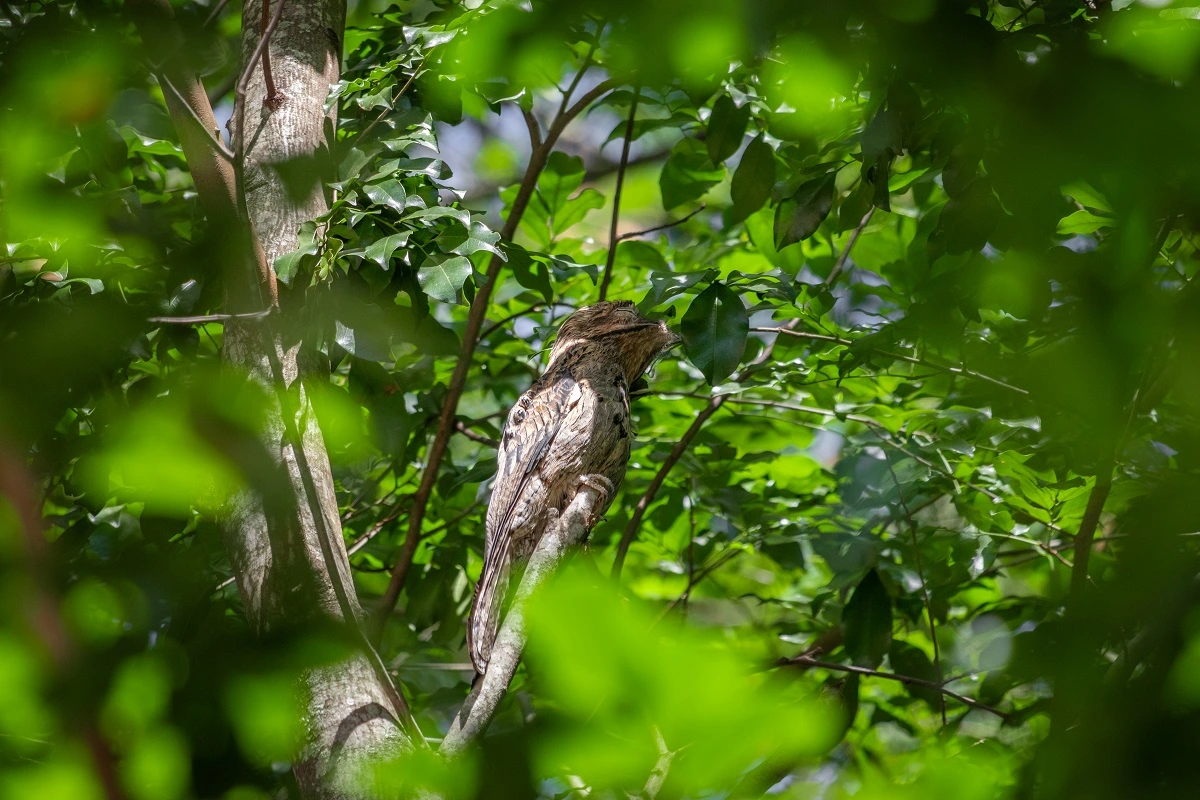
<point>639,511</point>
<point>471,336</point>
<point>1087,529</point>
<point>807,661</point>
<point>663,227</point>
<point>970,373</point>
<point>841,262</point>
<point>616,211</point>
<point>570,530</point>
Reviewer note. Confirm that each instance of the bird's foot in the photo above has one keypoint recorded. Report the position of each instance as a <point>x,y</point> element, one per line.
<point>605,488</point>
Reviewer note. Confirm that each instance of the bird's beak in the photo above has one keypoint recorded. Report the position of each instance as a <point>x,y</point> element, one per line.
<point>673,338</point>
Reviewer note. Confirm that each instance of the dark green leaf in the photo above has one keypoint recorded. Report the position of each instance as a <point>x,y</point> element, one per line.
<point>752,180</point>
<point>688,174</point>
<point>798,217</point>
<point>726,127</point>
<point>443,278</point>
<point>714,332</point>
<point>380,251</point>
<point>867,622</point>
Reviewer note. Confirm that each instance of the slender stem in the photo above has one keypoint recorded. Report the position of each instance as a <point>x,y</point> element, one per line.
<point>663,227</point>
<point>956,370</point>
<point>203,318</point>
<point>616,211</point>
<point>488,331</point>
<point>841,262</point>
<point>1087,528</point>
<point>392,105</point>
<point>473,436</point>
<point>806,661</point>
<point>216,12</point>
<point>639,510</point>
<point>271,100</point>
<point>912,528</point>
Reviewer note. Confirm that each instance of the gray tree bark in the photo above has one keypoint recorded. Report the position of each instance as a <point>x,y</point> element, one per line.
<point>287,551</point>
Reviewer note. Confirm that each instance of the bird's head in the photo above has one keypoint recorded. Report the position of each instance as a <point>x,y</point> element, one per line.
<point>638,340</point>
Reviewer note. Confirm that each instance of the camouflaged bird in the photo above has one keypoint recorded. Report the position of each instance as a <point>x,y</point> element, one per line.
<point>570,429</point>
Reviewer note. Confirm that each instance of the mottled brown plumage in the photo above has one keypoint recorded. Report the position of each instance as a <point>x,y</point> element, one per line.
<point>571,428</point>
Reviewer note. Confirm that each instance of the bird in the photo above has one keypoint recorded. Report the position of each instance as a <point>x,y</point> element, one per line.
<point>571,428</point>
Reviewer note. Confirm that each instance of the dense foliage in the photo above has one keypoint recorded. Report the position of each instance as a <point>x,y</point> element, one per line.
<point>911,513</point>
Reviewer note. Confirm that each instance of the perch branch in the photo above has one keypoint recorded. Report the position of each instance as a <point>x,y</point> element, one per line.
<point>569,530</point>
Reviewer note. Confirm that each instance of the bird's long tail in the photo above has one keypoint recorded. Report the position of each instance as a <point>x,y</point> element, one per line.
<point>487,610</point>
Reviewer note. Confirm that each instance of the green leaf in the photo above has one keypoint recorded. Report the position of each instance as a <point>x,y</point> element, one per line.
<point>477,237</point>
<point>1082,222</point>
<point>443,279</point>
<point>798,217</point>
<point>380,251</point>
<point>912,661</point>
<point>753,180</point>
<point>288,264</point>
<point>726,127</point>
<point>867,622</point>
<point>562,176</point>
<point>688,174</point>
<point>576,208</point>
<point>1086,195</point>
<point>714,332</point>
<point>387,193</point>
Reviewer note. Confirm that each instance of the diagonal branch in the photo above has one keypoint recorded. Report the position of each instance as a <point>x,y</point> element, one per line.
<point>807,661</point>
<point>571,529</point>
<point>616,212</point>
<point>471,336</point>
<point>714,404</point>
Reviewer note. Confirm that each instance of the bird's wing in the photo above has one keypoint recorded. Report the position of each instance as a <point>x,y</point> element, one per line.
<point>528,436</point>
<point>527,440</point>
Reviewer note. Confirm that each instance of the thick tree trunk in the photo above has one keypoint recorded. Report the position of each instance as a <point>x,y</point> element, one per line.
<point>288,552</point>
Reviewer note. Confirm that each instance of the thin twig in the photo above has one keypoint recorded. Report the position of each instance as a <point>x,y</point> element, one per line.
<point>616,211</point>
<point>956,370</point>
<point>663,227</point>
<point>203,318</point>
<point>488,331</point>
<point>912,528</point>
<point>392,105</point>
<point>271,100</point>
<point>239,95</point>
<point>216,12</point>
<point>475,437</point>
<point>841,262</point>
<point>806,661</point>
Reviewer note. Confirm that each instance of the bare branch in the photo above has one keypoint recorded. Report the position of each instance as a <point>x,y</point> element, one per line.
<point>841,262</point>
<point>271,100</point>
<point>203,318</point>
<point>616,211</point>
<point>639,511</point>
<point>217,144</point>
<point>970,373</point>
<point>475,437</point>
<point>570,530</point>
<point>657,228</point>
<point>239,102</point>
<point>807,661</point>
